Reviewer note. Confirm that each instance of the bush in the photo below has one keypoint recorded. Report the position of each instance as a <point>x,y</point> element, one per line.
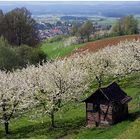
<point>37,56</point>
<point>8,59</point>
<point>13,57</point>
<point>23,52</point>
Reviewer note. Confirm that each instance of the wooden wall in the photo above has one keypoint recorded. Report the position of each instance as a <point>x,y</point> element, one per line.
<point>107,114</point>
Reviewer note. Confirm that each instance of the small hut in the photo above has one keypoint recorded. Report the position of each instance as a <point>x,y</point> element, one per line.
<point>107,106</point>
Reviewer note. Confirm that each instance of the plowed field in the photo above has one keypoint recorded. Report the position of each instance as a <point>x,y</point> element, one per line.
<point>94,46</point>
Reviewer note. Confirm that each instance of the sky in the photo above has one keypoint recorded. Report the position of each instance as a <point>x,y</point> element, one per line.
<point>68,0</point>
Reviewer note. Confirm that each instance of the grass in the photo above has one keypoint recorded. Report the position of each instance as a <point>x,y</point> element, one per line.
<point>132,132</point>
<point>65,122</point>
<point>57,49</point>
<point>70,123</point>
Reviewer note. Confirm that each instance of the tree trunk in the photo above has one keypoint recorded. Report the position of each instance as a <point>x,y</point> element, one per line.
<point>6,127</point>
<point>5,116</point>
<point>52,120</point>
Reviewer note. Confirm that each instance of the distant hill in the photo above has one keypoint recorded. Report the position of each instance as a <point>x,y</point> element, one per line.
<point>107,9</point>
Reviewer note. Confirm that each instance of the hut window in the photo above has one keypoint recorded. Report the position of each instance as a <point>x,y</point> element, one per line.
<point>89,106</point>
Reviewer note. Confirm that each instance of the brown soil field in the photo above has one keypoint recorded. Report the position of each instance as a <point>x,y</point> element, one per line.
<point>96,45</point>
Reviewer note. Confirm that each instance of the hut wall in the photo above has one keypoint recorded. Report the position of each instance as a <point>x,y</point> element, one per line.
<point>106,114</point>
<point>103,116</point>
<point>92,114</point>
<point>91,119</point>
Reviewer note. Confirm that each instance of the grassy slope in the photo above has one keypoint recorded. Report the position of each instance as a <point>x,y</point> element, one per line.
<point>71,122</point>
<point>56,49</point>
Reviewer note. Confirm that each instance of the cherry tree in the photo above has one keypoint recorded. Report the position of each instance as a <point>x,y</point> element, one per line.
<point>57,83</point>
<point>112,61</point>
<point>14,99</point>
<point>126,58</point>
<point>98,65</point>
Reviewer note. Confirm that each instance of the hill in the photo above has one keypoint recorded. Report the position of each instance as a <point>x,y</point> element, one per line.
<point>56,48</point>
<point>71,120</point>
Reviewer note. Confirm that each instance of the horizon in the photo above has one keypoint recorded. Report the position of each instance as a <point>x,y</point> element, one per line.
<point>94,8</point>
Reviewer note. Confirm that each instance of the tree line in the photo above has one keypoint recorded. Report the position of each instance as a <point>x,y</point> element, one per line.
<point>127,25</point>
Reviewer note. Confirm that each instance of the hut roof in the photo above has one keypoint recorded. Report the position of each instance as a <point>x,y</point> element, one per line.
<point>112,93</point>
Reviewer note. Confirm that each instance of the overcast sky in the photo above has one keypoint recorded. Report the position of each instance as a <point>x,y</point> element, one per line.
<point>68,0</point>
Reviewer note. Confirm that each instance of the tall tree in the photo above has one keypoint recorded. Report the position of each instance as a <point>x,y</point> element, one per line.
<point>117,30</point>
<point>86,30</point>
<point>20,28</point>
<point>130,25</point>
<point>74,29</point>
<point>126,26</point>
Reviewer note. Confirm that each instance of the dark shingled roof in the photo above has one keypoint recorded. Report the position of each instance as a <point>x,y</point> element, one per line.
<point>112,93</point>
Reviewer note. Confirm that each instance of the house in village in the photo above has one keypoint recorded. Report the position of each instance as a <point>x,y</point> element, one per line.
<point>107,106</point>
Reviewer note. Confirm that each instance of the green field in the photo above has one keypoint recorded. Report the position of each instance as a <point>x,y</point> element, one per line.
<point>57,49</point>
<point>108,21</point>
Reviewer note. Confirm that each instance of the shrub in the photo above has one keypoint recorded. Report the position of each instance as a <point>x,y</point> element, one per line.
<point>8,59</point>
<point>23,52</point>
<point>18,57</point>
<point>37,56</point>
